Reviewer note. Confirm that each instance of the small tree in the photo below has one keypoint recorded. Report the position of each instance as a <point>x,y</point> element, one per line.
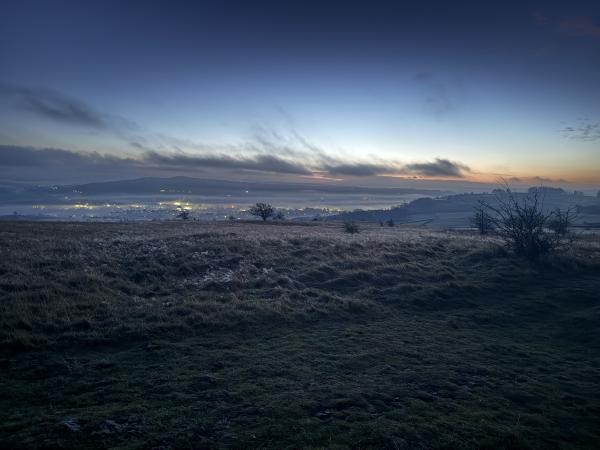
<point>481,220</point>
<point>183,214</point>
<point>561,220</point>
<point>351,227</point>
<point>262,210</point>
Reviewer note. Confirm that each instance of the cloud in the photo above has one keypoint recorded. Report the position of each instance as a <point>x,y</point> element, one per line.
<point>60,165</point>
<point>53,105</point>
<point>318,160</point>
<point>53,165</point>
<point>61,108</point>
<point>359,170</point>
<point>441,97</point>
<point>539,18</point>
<point>536,179</point>
<point>269,152</point>
<point>586,131</point>
<point>16,156</point>
<point>438,168</point>
<point>580,26</point>
<point>58,107</point>
<point>262,163</point>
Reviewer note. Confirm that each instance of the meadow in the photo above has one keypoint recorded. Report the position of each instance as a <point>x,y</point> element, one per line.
<point>293,335</point>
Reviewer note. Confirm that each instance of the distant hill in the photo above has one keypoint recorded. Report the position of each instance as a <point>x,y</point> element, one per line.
<point>463,204</point>
<point>195,186</point>
<point>188,185</point>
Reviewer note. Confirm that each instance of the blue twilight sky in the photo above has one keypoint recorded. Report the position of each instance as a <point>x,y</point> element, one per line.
<point>354,92</point>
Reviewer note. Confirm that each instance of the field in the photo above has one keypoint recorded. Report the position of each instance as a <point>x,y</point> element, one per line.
<point>250,335</point>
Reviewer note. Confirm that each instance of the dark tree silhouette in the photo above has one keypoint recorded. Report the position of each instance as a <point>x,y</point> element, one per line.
<point>523,223</point>
<point>262,210</point>
<point>561,221</point>
<point>481,220</point>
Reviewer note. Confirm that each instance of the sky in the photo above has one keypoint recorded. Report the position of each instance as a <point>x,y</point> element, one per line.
<point>365,93</point>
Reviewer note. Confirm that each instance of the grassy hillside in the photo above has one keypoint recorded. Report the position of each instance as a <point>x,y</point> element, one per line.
<point>188,335</point>
<point>454,211</point>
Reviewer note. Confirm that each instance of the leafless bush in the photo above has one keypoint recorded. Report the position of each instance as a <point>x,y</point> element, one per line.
<point>262,210</point>
<point>524,225</point>
<point>390,223</point>
<point>561,221</point>
<point>482,220</point>
<point>279,215</point>
<point>351,227</point>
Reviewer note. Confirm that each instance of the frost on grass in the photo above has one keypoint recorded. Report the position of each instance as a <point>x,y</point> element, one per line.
<point>65,282</point>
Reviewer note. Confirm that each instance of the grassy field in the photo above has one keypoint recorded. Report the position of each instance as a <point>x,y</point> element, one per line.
<point>251,335</point>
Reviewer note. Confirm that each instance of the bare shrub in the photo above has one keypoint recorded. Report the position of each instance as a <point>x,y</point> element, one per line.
<point>262,210</point>
<point>390,223</point>
<point>482,220</point>
<point>524,225</point>
<point>351,227</point>
<point>561,221</point>
<point>279,215</point>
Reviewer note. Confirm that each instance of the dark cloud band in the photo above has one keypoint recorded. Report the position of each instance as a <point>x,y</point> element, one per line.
<point>59,165</point>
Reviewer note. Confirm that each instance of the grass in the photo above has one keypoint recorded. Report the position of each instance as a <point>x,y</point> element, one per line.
<point>188,335</point>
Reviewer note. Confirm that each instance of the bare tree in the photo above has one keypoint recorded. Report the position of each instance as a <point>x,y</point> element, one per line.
<point>482,220</point>
<point>562,220</point>
<point>262,210</point>
<point>523,223</point>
